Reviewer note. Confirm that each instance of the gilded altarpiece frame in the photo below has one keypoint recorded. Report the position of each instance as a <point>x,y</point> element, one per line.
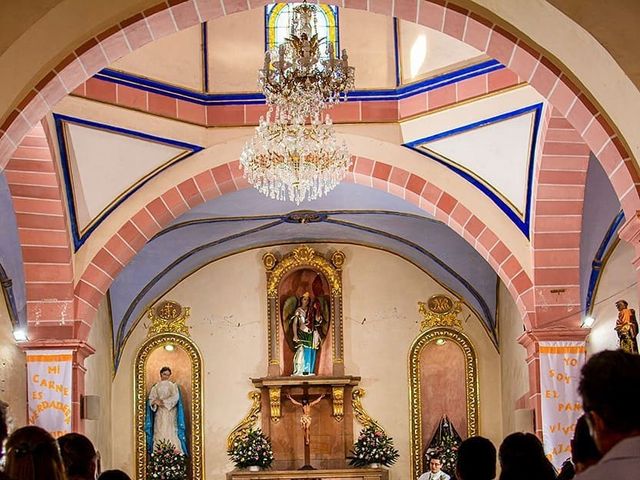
<point>277,270</point>
<point>163,332</point>
<point>415,402</point>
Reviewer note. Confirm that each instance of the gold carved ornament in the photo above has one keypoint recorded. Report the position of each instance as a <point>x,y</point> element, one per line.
<point>415,402</point>
<point>168,317</point>
<point>440,311</point>
<point>360,413</point>
<point>274,403</point>
<point>303,256</point>
<point>337,394</point>
<point>140,390</point>
<point>249,420</point>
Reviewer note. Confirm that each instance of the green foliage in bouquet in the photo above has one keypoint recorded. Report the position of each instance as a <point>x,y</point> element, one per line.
<point>373,446</point>
<point>251,448</point>
<point>166,462</point>
<point>449,452</point>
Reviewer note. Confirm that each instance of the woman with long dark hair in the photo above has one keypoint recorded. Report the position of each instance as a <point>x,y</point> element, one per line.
<point>32,454</point>
<point>522,458</point>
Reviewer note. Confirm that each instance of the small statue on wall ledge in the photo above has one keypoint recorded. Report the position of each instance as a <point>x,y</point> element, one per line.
<point>627,327</point>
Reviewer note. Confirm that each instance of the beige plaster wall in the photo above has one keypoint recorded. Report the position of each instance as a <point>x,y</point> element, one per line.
<point>618,280</point>
<point>228,305</point>
<point>381,321</point>
<point>425,52</point>
<point>368,39</point>
<point>236,49</point>
<point>174,59</point>
<point>13,371</point>
<point>98,382</point>
<point>513,359</point>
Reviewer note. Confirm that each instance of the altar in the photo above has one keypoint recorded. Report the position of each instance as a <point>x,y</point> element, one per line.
<point>306,404</point>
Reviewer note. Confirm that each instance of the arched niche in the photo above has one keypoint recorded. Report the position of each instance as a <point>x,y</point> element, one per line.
<point>185,360</point>
<point>461,363</point>
<point>294,275</point>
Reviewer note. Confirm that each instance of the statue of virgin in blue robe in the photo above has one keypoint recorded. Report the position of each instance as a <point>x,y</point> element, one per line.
<point>165,419</point>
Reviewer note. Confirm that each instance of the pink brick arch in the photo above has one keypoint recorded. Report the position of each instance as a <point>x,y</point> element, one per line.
<point>144,224</point>
<point>37,198</point>
<point>447,17</point>
<point>560,181</point>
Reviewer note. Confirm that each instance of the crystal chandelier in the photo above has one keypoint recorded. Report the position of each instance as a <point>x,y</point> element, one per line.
<point>295,153</point>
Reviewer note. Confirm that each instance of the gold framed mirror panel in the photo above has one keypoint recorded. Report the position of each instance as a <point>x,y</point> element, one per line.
<point>191,361</point>
<point>415,397</point>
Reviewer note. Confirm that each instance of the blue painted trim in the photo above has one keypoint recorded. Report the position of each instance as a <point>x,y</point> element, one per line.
<point>205,56</point>
<point>522,223</point>
<point>323,215</point>
<point>396,55</point>
<point>60,120</point>
<point>404,91</point>
<point>266,25</point>
<point>598,260</point>
<point>336,12</point>
<point>152,86</point>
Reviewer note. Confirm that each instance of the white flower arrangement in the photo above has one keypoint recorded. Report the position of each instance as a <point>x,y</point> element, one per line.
<point>253,448</point>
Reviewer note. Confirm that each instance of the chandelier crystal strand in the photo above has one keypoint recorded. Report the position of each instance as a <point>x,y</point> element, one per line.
<point>295,154</point>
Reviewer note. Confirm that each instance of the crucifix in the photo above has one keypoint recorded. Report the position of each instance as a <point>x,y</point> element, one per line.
<point>305,423</point>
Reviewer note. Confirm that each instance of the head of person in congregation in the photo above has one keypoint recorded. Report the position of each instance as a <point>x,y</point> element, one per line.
<point>522,458</point>
<point>79,456</point>
<point>584,452</point>
<point>4,432</point>
<point>32,454</point>
<point>114,475</point>
<point>4,429</point>
<point>476,459</point>
<point>435,470</point>
<point>610,390</point>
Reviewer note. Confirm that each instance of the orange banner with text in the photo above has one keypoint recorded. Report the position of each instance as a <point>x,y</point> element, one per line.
<point>560,364</point>
<point>49,390</point>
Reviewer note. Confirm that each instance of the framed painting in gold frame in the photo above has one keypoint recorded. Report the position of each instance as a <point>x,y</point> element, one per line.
<point>471,389</point>
<point>164,348</point>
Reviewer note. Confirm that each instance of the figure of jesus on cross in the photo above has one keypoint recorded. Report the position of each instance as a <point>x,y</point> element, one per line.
<point>305,418</point>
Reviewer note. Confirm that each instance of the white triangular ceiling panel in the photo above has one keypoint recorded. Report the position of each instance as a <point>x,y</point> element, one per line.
<point>496,154</point>
<point>106,165</point>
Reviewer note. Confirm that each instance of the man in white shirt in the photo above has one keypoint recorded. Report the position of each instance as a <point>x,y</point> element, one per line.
<point>435,471</point>
<point>610,389</point>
